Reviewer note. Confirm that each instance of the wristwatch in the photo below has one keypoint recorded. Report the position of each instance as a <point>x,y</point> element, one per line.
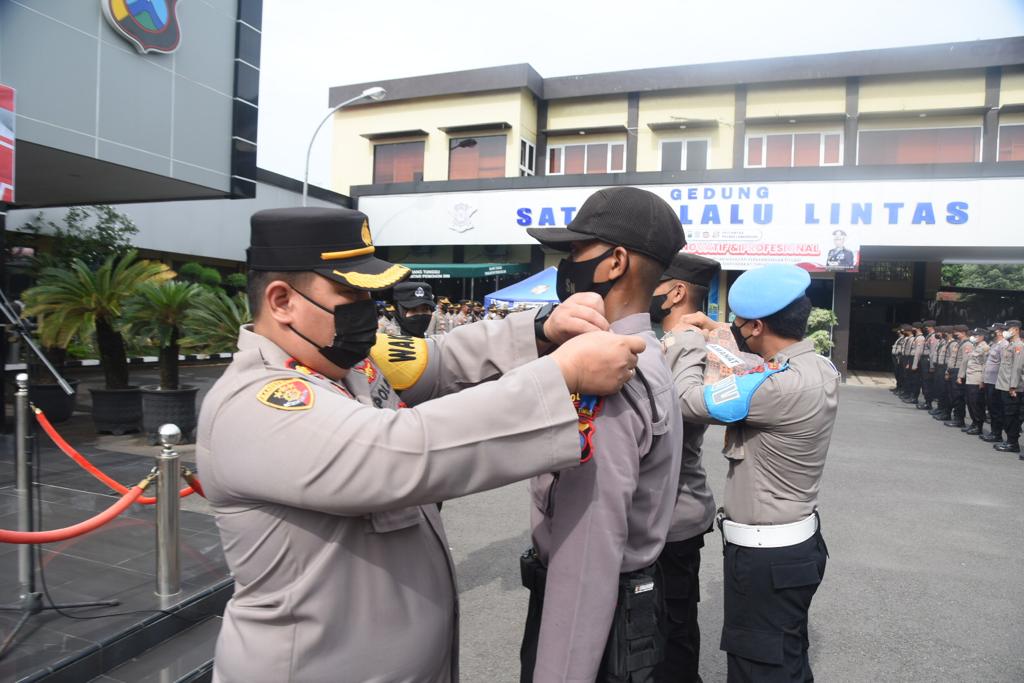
<point>538,322</point>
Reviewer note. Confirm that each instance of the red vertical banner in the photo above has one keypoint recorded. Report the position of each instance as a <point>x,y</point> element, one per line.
<point>6,144</point>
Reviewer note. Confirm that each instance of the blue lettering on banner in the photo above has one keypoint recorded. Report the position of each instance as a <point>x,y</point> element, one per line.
<point>547,216</point>
<point>956,213</point>
<point>524,217</point>
<point>924,214</point>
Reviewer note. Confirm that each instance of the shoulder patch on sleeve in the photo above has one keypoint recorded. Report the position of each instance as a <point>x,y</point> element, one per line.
<point>588,407</point>
<point>728,400</point>
<point>401,359</point>
<point>287,394</point>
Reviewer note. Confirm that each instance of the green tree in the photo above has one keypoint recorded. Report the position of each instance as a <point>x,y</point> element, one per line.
<point>158,312</point>
<point>213,321</point>
<point>819,328</point>
<point>983,276</point>
<point>88,233</point>
<point>73,302</point>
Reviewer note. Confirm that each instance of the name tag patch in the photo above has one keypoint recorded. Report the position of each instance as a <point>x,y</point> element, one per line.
<point>287,394</point>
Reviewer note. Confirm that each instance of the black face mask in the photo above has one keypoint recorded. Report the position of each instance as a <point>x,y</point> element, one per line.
<point>578,276</point>
<point>737,334</point>
<point>658,313</point>
<point>355,332</point>
<point>414,325</point>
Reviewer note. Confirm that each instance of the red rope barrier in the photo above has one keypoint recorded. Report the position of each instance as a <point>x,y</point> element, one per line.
<point>7,536</point>
<point>84,463</point>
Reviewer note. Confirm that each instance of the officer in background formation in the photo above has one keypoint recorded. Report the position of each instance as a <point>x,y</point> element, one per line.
<point>912,363</point>
<point>778,427</point>
<point>942,407</point>
<point>682,291</point>
<point>323,481</point>
<point>414,306</point>
<point>597,531</point>
<point>1010,385</point>
<point>973,379</point>
<point>993,398</point>
<point>955,371</point>
<point>898,349</point>
<point>927,369</point>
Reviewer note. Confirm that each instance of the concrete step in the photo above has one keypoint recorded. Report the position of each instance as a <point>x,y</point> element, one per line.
<point>186,657</point>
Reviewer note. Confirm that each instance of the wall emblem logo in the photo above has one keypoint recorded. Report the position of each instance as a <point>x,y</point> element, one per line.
<point>149,25</point>
<point>462,217</point>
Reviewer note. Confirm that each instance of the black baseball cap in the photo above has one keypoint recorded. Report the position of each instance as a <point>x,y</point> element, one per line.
<point>629,217</point>
<point>961,328</point>
<point>335,243</point>
<point>979,332</point>
<point>697,270</point>
<point>1012,323</point>
<point>413,294</point>
<point>928,323</point>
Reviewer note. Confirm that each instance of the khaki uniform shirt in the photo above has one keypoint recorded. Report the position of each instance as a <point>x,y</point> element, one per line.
<point>940,350</point>
<point>1017,370</point>
<point>963,354</point>
<point>1006,362</point>
<point>608,516</point>
<point>916,351</point>
<point>324,493</point>
<point>695,504</point>
<point>995,353</point>
<point>974,368</point>
<point>777,453</point>
<point>952,356</point>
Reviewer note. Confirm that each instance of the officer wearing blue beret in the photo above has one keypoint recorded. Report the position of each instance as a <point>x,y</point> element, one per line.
<point>778,425</point>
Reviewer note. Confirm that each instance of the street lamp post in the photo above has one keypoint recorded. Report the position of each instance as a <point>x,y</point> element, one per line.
<point>375,93</point>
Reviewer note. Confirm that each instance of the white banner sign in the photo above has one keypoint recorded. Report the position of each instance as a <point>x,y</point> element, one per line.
<point>818,225</point>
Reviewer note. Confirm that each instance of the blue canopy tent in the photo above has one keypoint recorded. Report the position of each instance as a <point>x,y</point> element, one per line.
<point>535,290</point>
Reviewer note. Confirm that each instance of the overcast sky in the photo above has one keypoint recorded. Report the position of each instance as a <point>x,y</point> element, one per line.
<point>311,45</point>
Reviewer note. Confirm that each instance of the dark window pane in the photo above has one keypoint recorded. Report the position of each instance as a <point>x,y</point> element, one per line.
<point>480,157</point>
<point>696,155</point>
<point>754,147</point>
<point>522,152</point>
<point>401,162</point>
<point>532,158</point>
<point>780,151</point>
<point>574,156</point>
<point>923,146</point>
<point>831,149</point>
<point>1011,143</point>
<point>555,160</point>
<point>671,156</point>
<point>597,158</point>
<point>618,161</point>
<point>807,149</point>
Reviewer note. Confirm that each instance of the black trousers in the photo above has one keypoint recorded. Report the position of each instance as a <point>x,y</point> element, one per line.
<point>939,388</point>
<point>1012,416</point>
<point>958,397</point>
<point>768,592</point>
<point>897,371</point>
<point>926,385</point>
<point>912,384</point>
<point>680,568</point>
<point>976,404</point>
<point>995,408</point>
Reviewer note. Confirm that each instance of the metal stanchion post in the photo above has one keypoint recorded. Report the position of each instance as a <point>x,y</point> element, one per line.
<point>26,575</point>
<point>168,561</point>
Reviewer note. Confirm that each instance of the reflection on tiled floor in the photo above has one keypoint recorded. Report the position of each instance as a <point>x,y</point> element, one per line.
<point>115,562</point>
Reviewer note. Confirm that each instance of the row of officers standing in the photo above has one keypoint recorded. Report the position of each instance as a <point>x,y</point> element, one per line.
<point>955,372</point>
<point>325,448</point>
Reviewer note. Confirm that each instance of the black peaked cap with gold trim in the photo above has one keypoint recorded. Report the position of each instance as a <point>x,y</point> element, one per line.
<point>335,243</point>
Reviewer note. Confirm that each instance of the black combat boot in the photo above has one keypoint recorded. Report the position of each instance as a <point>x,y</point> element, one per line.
<point>954,423</point>
<point>1007,447</point>
<point>991,438</point>
<point>973,430</point>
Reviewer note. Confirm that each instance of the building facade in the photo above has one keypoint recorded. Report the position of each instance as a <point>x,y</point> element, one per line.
<point>870,169</point>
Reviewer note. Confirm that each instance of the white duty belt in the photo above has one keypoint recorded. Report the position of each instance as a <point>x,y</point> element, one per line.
<point>768,536</point>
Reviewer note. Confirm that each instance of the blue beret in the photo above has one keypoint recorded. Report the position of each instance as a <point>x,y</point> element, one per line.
<point>759,293</point>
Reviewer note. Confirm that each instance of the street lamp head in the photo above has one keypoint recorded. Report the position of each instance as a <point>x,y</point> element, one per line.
<point>376,93</point>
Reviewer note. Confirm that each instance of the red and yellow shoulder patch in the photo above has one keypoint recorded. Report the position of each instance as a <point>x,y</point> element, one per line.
<point>287,394</point>
<point>587,408</point>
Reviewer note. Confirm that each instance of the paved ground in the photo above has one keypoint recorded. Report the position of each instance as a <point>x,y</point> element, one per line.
<point>924,525</point>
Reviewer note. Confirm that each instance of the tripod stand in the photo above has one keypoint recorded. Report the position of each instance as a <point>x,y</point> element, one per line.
<point>30,601</point>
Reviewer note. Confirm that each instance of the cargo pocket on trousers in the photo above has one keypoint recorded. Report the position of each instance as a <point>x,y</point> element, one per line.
<point>680,600</point>
<point>757,646</point>
<point>795,575</point>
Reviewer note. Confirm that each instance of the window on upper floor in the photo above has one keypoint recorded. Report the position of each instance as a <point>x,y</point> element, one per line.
<point>527,158</point>
<point>1011,143</point>
<point>476,157</point>
<point>785,150</point>
<point>919,146</point>
<point>684,155</point>
<point>398,162</point>
<point>594,157</point>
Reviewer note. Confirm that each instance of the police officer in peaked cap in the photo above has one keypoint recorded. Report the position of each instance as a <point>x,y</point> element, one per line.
<point>778,425</point>
<point>683,290</point>
<point>323,485</point>
<point>414,308</point>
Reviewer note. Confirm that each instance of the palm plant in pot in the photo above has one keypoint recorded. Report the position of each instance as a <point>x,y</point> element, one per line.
<point>157,312</point>
<point>78,300</point>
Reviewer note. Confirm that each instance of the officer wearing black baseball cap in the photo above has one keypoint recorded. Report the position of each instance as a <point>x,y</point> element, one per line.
<point>414,302</point>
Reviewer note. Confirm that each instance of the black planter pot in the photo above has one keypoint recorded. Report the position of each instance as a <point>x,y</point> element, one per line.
<point>117,411</point>
<point>169,406</point>
<point>52,400</point>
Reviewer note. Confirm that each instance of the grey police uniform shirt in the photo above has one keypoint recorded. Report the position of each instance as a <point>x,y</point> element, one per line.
<point>609,516</point>
<point>954,356</point>
<point>1006,362</point>
<point>916,351</point>
<point>325,502</point>
<point>695,504</point>
<point>1016,380</point>
<point>963,355</point>
<point>974,368</point>
<point>777,453</point>
<point>940,351</point>
<point>995,354</point>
